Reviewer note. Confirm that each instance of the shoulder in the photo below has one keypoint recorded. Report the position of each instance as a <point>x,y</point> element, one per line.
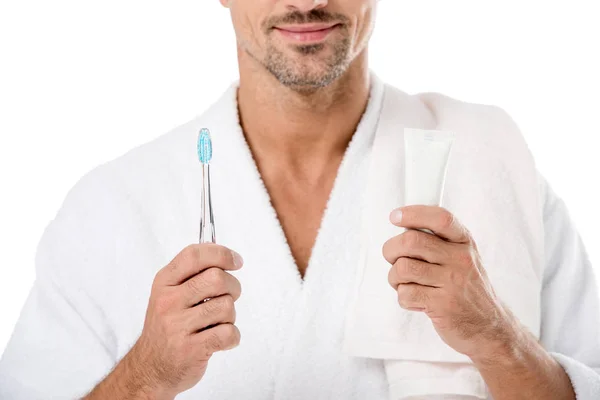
<point>105,206</point>
<point>147,165</point>
<point>483,117</point>
<point>450,112</point>
<point>162,161</point>
<point>151,170</point>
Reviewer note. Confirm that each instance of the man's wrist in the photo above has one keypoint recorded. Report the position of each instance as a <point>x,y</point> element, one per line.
<point>518,367</point>
<point>130,380</point>
<point>507,348</point>
<point>139,379</point>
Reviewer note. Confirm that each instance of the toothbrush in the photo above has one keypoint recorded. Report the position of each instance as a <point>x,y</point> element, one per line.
<point>207,223</point>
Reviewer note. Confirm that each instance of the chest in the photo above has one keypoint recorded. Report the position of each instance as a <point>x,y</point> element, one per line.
<point>300,207</point>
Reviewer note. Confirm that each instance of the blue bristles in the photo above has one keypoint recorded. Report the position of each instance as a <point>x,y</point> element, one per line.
<point>204,146</point>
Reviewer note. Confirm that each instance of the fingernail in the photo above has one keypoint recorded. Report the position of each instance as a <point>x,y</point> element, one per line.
<point>396,216</point>
<point>238,261</point>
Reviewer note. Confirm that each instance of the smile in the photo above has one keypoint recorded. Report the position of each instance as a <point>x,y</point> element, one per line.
<point>306,33</point>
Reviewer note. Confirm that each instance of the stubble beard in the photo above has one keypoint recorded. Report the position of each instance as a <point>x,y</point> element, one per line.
<point>310,75</point>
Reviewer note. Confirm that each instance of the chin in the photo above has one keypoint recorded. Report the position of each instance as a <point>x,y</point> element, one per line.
<point>306,67</point>
<point>308,81</point>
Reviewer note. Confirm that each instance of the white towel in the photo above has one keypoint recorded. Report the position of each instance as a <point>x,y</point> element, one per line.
<point>491,187</point>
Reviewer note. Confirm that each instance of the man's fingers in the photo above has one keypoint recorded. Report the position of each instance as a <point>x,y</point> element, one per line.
<point>196,258</point>
<point>409,270</point>
<point>212,282</point>
<point>437,219</point>
<point>219,310</point>
<point>219,338</point>
<point>412,296</point>
<point>416,244</point>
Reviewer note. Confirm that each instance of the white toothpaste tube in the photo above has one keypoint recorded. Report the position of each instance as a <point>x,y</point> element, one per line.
<point>427,153</point>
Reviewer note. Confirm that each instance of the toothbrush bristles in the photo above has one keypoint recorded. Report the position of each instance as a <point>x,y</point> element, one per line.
<point>204,146</point>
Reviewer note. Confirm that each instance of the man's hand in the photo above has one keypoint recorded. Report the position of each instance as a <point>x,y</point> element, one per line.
<point>441,274</point>
<point>181,332</point>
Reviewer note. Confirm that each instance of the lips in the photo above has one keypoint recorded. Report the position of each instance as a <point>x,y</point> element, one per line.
<point>306,32</point>
<point>305,27</point>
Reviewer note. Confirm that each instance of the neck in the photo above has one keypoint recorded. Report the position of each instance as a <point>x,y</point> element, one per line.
<point>292,129</point>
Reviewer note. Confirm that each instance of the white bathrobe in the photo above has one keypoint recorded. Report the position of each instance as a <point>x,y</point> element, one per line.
<point>129,217</point>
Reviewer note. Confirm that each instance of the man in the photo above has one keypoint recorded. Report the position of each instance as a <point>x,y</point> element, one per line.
<point>117,308</point>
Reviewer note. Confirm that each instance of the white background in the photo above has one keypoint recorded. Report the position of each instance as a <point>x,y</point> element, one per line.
<point>82,82</point>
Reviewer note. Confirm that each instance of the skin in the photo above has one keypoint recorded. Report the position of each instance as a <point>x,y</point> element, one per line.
<point>314,97</point>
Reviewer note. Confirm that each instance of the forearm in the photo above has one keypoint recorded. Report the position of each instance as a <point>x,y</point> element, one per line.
<point>128,381</point>
<point>522,369</point>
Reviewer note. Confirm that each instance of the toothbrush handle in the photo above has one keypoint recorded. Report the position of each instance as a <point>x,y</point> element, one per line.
<point>207,223</point>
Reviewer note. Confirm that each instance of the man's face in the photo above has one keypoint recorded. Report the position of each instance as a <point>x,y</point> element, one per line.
<point>303,43</point>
